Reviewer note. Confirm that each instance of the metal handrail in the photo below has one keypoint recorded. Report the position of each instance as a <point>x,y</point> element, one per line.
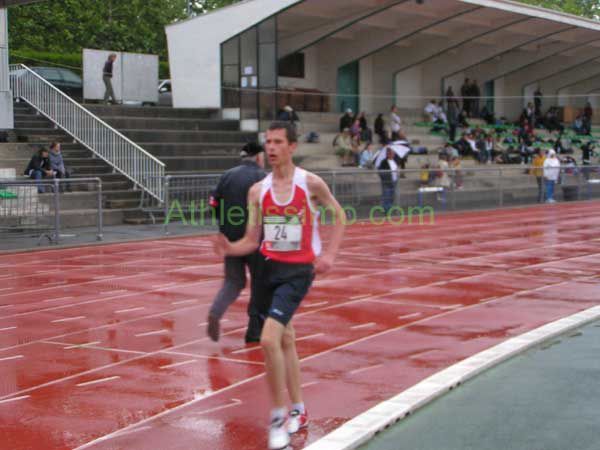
<point>122,154</point>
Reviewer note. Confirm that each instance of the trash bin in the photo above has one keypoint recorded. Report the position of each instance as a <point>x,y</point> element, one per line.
<point>570,193</point>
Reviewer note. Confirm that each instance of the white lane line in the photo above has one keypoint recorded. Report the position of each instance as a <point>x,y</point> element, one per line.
<point>5,306</point>
<point>152,333</point>
<point>57,299</point>
<point>68,319</point>
<point>114,292</point>
<point>6,289</point>
<point>315,305</point>
<point>184,302</point>
<point>10,358</point>
<point>182,363</point>
<point>163,285</point>
<point>8,328</point>
<point>364,325</point>
<point>364,426</point>
<point>421,354</point>
<point>123,311</point>
<point>310,383</point>
<point>304,338</point>
<point>409,316</point>
<point>56,283</point>
<point>364,369</point>
<point>23,397</point>
<point>246,350</point>
<point>456,306</point>
<point>85,344</point>
<point>203,324</point>
<point>101,380</point>
<point>136,430</point>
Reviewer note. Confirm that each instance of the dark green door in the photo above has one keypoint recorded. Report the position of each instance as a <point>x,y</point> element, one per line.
<point>347,87</point>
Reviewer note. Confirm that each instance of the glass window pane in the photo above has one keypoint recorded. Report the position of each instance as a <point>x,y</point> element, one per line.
<point>266,31</point>
<point>230,51</point>
<point>249,56</point>
<point>268,66</point>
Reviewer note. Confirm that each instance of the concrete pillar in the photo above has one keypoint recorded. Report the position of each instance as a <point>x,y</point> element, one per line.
<point>6,104</point>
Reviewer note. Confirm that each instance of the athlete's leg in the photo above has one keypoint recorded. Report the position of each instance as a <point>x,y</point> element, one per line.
<point>292,365</point>
<point>271,343</point>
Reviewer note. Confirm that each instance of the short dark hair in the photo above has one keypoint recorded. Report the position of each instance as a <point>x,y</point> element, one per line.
<point>42,150</point>
<point>290,130</point>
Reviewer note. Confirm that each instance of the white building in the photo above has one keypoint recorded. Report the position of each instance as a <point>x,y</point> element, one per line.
<point>369,54</point>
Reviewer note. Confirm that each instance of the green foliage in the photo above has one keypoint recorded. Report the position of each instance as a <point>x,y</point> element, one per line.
<point>584,8</point>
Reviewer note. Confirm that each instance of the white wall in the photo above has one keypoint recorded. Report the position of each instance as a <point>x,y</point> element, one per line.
<point>409,85</point>
<point>366,74</point>
<point>195,50</point>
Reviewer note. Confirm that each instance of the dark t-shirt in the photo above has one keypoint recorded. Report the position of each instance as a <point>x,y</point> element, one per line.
<point>108,68</point>
<point>231,194</point>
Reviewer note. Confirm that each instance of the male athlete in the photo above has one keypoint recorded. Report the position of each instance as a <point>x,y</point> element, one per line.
<point>283,206</point>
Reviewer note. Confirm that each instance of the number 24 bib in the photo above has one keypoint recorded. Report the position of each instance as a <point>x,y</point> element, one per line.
<point>282,233</point>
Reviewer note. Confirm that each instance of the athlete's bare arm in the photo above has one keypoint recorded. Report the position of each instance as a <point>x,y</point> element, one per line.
<point>323,197</point>
<point>251,240</point>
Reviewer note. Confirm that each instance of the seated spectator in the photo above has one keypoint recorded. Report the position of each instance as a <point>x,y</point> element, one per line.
<point>57,164</point>
<point>551,121</point>
<point>355,131</point>
<point>366,135</point>
<point>346,120</point>
<point>39,168</point>
<point>431,111</point>
<point>578,125</point>
<point>366,156</point>
<point>289,115</point>
<point>488,116</point>
<point>345,147</point>
<point>379,127</point>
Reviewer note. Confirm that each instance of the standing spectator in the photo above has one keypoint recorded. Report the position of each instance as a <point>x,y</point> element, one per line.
<point>39,168</point>
<point>395,123</point>
<point>379,127</point>
<point>551,175</point>
<point>538,173</point>
<point>537,103</point>
<point>586,158</point>
<point>289,115</point>
<point>475,102</point>
<point>465,93</point>
<point>231,194</point>
<point>588,113</point>
<point>388,172</point>
<point>453,119</point>
<point>443,173</point>
<point>107,75</point>
<point>451,98</point>
<point>346,120</point>
<point>57,164</point>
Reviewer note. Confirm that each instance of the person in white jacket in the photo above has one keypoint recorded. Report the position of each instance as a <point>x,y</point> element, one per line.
<point>551,174</point>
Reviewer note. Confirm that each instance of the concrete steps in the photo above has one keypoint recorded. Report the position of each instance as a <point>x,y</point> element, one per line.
<point>153,111</point>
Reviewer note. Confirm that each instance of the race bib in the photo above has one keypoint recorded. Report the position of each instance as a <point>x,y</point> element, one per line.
<point>282,233</point>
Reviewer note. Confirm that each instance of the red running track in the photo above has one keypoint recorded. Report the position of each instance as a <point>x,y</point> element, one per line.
<point>105,348</point>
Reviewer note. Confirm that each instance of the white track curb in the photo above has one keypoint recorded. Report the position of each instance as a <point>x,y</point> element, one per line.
<point>365,426</point>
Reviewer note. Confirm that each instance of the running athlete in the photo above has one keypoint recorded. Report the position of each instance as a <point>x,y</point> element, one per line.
<point>283,211</point>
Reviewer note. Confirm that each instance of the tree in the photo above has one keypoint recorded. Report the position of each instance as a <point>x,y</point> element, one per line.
<point>70,25</point>
<point>203,6</point>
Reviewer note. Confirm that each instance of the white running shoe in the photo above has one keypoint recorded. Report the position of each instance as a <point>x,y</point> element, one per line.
<point>279,438</point>
<point>297,421</point>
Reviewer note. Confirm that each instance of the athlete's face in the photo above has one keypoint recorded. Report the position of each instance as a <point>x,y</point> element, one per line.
<point>279,149</point>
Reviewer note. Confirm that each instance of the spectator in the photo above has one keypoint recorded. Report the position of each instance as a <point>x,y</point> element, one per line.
<point>379,127</point>
<point>475,102</point>
<point>588,113</point>
<point>551,175</point>
<point>345,147</point>
<point>586,158</point>
<point>430,110</point>
<point>395,123</point>
<point>456,166</point>
<point>289,115</point>
<point>435,113</point>
<point>57,164</point>
<point>551,121</point>
<point>488,148</point>
<point>366,156</point>
<point>388,172</point>
<point>107,75</point>
<point>451,99</point>
<point>346,120</point>
<point>537,103</point>
<point>488,116</point>
<point>39,168</point>
<point>578,125</point>
<point>538,173</point>
<point>453,119</point>
<point>465,93</point>
<point>355,131</point>
<point>444,178</point>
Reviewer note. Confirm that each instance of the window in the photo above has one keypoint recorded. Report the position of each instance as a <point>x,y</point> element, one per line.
<point>292,66</point>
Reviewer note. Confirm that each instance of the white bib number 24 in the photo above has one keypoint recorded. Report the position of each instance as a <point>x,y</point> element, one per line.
<point>283,233</point>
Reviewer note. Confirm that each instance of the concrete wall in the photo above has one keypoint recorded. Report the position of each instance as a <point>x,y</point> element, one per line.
<point>583,92</point>
<point>195,49</point>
